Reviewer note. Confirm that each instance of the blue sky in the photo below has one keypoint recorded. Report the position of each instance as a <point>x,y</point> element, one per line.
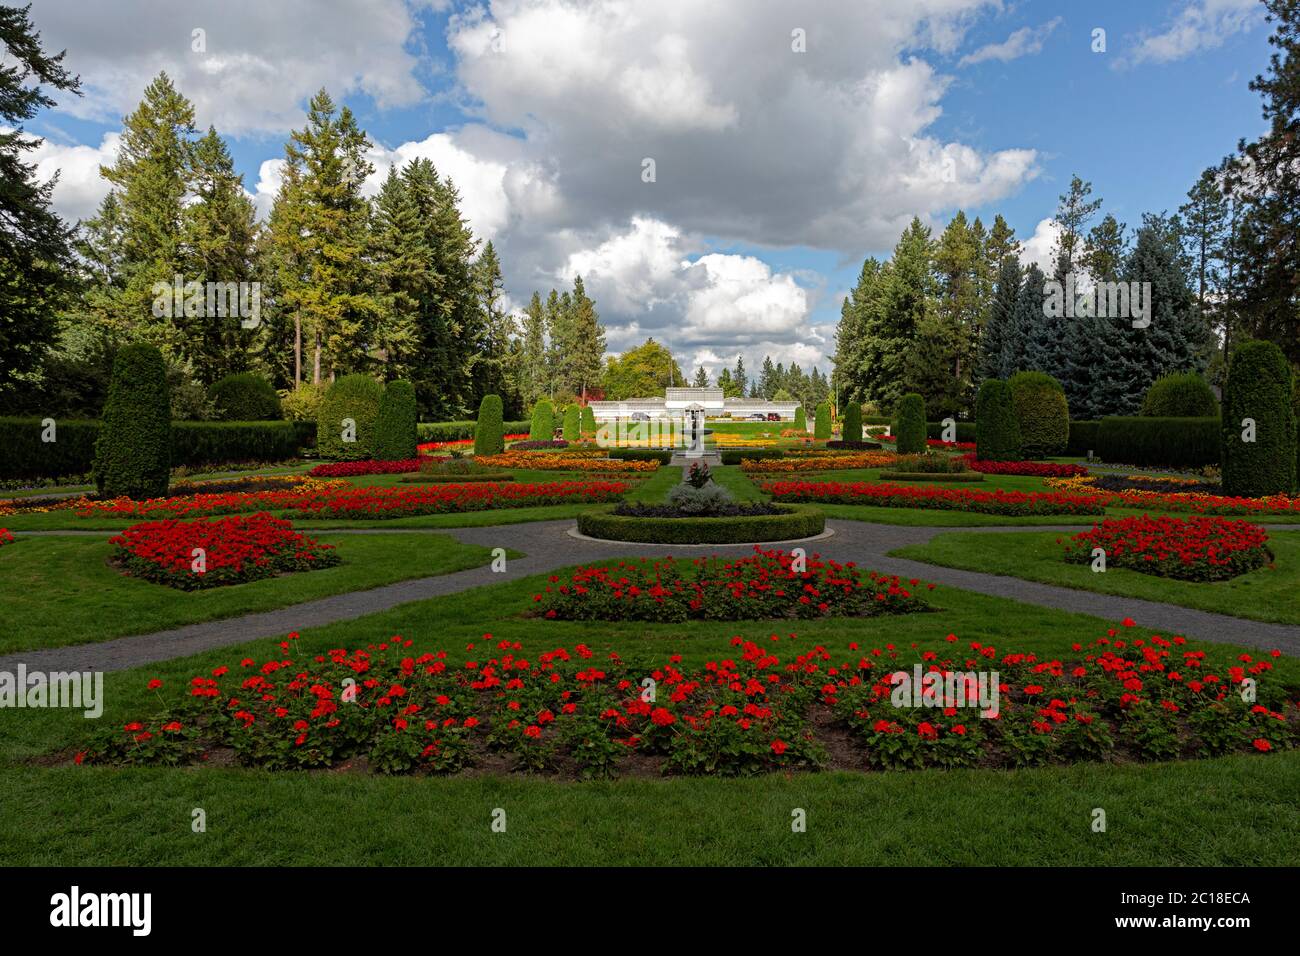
<point>778,171</point>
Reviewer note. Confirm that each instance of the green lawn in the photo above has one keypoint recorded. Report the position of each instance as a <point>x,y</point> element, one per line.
<point>58,591</point>
<point>1231,811</point>
<point>1268,594</point>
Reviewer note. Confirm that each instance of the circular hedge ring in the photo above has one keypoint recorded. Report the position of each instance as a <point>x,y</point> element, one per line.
<point>799,521</point>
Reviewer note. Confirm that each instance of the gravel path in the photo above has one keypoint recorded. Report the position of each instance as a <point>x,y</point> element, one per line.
<point>548,544</point>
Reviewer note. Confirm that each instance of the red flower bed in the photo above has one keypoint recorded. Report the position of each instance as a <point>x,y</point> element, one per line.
<point>887,495</point>
<point>351,469</point>
<point>764,585</point>
<point>462,442</point>
<point>932,443</point>
<point>565,709</point>
<point>233,550</point>
<point>328,501</point>
<point>1036,469</point>
<point>1193,549</point>
<point>6,537</point>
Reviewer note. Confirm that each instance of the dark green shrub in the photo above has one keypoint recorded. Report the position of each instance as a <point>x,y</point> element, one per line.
<point>822,422</point>
<point>1184,395</point>
<point>1258,388</point>
<point>734,456</point>
<point>572,423</point>
<point>965,430</point>
<point>799,522</point>
<point>852,445</point>
<point>542,427</point>
<point>458,431</point>
<point>24,455</point>
<point>909,425</point>
<point>800,419</point>
<point>245,397</point>
<point>588,420</point>
<point>1083,438</point>
<point>1165,442</point>
<point>488,437</point>
<point>395,424</point>
<point>1042,413</point>
<point>997,432</point>
<point>133,453</point>
<point>355,398</point>
<point>851,427</point>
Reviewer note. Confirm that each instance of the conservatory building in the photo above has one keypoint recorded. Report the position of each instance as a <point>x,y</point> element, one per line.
<point>684,404</point>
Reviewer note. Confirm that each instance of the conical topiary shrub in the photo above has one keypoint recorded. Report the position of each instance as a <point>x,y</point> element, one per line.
<point>822,423</point>
<point>1259,427</point>
<point>851,427</point>
<point>800,419</point>
<point>997,432</point>
<point>588,420</point>
<point>543,423</point>
<point>345,421</point>
<point>133,451</point>
<point>395,438</point>
<point>489,439</point>
<point>909,424</point>
<point>572,423</point>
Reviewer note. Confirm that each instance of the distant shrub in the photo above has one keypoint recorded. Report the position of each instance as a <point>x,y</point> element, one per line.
<point>543,423</point>
<point>1165,442</point>
<point>245,397</point>
<point>572,423</point>
<point>355,399</point>
<point>800,419</point>
<point>1185,395</point>
<point>488,437</point>
<point>588,420</point>
<point>1042,413</point>
<point>302,404</point>
<point>1259,388</point>
<point>133,451</point>
<point>822,422</point>
<point>851,427</point>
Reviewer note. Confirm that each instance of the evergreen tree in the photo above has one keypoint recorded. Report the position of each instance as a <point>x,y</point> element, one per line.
<point>853,375</point>
<point>495,371</point>
<point>726,384</point>
<point>1022,334</point>
<point>586,348</point>
<point>533,380</point>
<point>701,378</point>
<point>1088,335</point>
<point>1073,213</point>
<point>35,253</point>
<point>739,378</point>
<point>767,381</point>
<point>906,285</point>
<point>999,344</point>
<point>401,266</point>
<point>939,359</point>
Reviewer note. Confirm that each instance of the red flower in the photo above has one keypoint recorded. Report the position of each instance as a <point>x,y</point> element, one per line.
<point>1262,745</point>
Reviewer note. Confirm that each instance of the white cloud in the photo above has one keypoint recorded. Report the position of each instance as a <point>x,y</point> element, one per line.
<point>1041,246</point>
<point>80,188</point>
<point>1199,25</point>
<point>262,59</point>
<point>1023,42</point>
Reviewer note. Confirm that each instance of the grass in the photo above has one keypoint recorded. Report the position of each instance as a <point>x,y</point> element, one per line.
<point>1231,811</point>
<point>58,591</point>
<point>1268,594</point>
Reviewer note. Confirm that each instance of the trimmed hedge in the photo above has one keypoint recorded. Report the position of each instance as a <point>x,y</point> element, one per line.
<point>966,431</point>
<point>909,425</point>
<point>588,420</point>
<point>572,427</point>
<point>1183,395</point>
<point>799,522</point>
<point>1083,438</point>
<point>395,423</point>
<point>931,476</point>
<point>461,430</point>
<point>133,451</point>
<point>542,427</point>
<point>1167,442</point>
<point>734,456</point>
<point>1259,387</point>
<point>641,454</point>
<point>24,456</point>
<point>800,419</point>
<point>997,431</point>
<point>853,445</point>
<point>245,397</point>
<point>356,397</point>
<point>489,436</point>
<point>822,422</point>
<point>1042,413</point>
<point>851,427</point>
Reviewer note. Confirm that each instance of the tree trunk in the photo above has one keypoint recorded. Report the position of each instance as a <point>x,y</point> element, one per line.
<point>316,360</point>
<point>297,350</point>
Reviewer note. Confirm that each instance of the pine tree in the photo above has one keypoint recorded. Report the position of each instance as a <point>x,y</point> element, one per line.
<point>558,339</point>
<point>218,235</point>
<point>906,286</point>
<point>852,374</point>
<point>587,344</point>
<point>999,342</point>
<point>701,377</point>
<point>495,372</point>
<point>1103,255</point>
<point>533,380</point>
<point>1021,337</point>
<point>938,362</point>
<point>739,378</point>
<point>767,381</point>
<point>726,384</point>
<point>1073,213</point>
<point>401,259</point>
<point>35,244</point>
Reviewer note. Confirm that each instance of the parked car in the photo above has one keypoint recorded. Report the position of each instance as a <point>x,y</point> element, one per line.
<point>758,417</point>
<point>773,417</point>
<point>640,417</point>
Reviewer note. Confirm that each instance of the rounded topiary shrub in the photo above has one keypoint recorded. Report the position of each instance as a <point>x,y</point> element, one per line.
<point>395,424</point>
<point>997,433</point>
<point>245,397</point>
<point>489,439</point>
<point>800,419</point>
<point>909,425</point>
<point>851,427</point>
<point>588,420</point>
<point>1042,413</point>
<point>1259,389</point>
<point>822,423</point>
<point>348,411</point>
<point>572,423</point>
<point>1184,395</point>
<point>133,451</point>
<point>302,404</point>
<point>543,423</point>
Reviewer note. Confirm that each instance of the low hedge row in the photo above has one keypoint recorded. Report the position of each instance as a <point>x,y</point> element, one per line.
<point>801,521</point>
<point>454,431</point>
<point>1083,439</point>
<point>850,445</point>
<point>936,476</point>
<point>1167,442</point>
<point>23,455</point>
<point>734,456</point>
<point>965,430</point>
<point>641,454</point>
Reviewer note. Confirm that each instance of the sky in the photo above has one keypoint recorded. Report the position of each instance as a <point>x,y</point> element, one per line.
<point>788,141</point>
